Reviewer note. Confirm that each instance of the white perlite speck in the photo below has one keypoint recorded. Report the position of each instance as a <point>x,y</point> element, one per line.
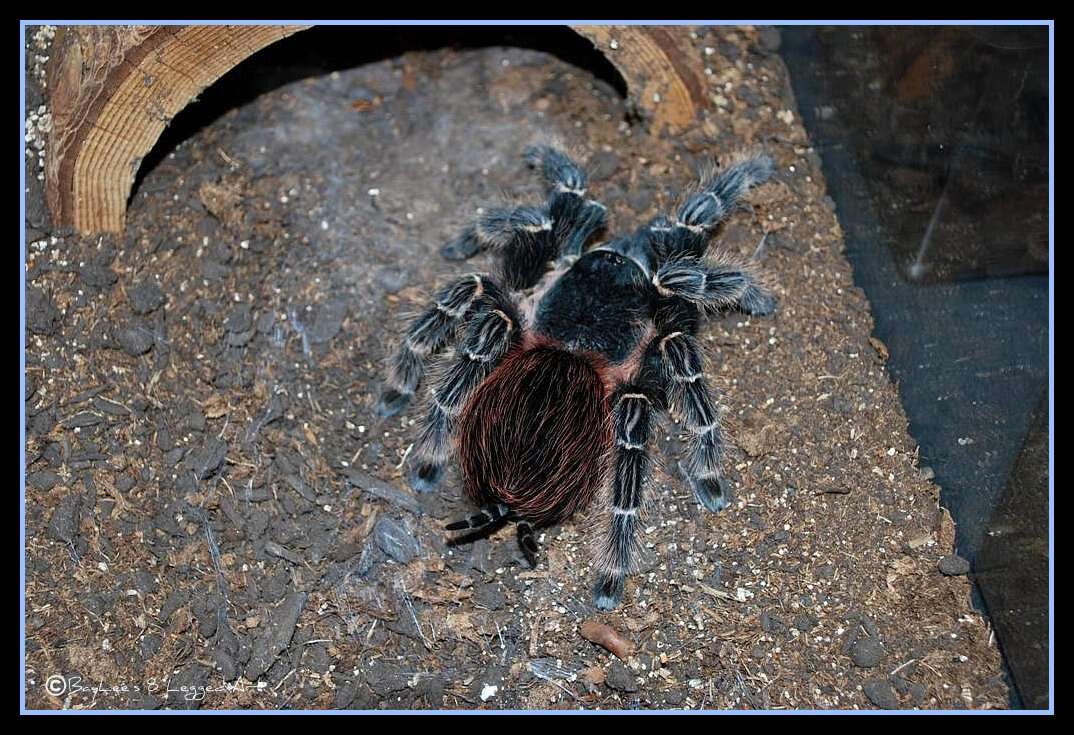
<point>488,692</point>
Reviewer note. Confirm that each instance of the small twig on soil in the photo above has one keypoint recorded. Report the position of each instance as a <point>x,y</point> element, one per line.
<point>301,329</point>
<point>533,635</point>
<point>221,581</point>
<point>285,678</point>
<point>401,589</point>
<point>900,667</point>
<point>930,668</point>
<point>503,646</point>
<point>759,251</point>
<point>231,162</point>
<point>565,688</point>
<point>718,594</point>
<point>405,455</point>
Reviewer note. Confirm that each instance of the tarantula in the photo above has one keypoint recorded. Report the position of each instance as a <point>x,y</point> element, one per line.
<point>563,358</point>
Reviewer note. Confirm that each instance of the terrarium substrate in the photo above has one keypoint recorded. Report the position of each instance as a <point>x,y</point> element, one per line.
<point>211,502</point>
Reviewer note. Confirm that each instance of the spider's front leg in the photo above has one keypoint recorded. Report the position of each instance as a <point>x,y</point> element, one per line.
<point>710,204</point>
<point>576,219</point>
<point>499,229</point>
<point>528,238</point>
<point>631,415</point>
<point>490,333</point>
<point>715,284</point>
<point>427,335</point>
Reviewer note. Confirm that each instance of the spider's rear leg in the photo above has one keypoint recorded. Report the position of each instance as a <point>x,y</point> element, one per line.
<point>487,516</point>
<point>631,415</point>
<point>491,517</point>
<point>490,333</point>
<point>427,335</point>
<point>479,525</point>
<point>688,389</point>
<point>527,542</point>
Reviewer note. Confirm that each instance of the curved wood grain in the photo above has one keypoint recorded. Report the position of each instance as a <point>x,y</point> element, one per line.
<point>660,68</point>
<point>113,89</point>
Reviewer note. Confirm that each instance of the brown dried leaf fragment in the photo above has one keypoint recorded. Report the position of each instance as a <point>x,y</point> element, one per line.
<point>216,406</point>
<point>223,200</point>
<point>607,637</point>
<point>755,443</point>
<point>594,675</point>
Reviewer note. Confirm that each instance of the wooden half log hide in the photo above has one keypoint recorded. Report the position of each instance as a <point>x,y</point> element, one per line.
<point>113,89</point>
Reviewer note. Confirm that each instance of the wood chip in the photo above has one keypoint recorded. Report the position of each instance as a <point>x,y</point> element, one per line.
<point>881,349</point>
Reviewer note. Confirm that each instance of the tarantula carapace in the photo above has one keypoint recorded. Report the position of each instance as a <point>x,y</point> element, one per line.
<point>561,360</point>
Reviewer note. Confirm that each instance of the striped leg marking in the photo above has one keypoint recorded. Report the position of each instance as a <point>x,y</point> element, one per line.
<point>527,543</point>
<point>498,230</point>
<point>427,335</point>
<point>715,285</point>
<point>632,414</point>
<point>688,389</point>
<point>489,335</point>
<point>575,218</point>
<point>487,516</point>
<point>711,203</point>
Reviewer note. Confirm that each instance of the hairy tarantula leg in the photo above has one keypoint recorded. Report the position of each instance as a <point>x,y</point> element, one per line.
<point>631,417</point>
<point>586,220</point>
<point>499,229</point>
<point>488,515</point>
<point>524,236</point>
<point>711,203</point>
<point>527,542</point>
<point>558,169</point>
<point>490,333</point>
<point>426,336</point>
<point>688,389</point>
<point>723,284</point>
<point>576,219</point>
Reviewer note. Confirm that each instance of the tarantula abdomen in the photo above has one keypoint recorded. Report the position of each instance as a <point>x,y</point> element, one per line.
<point>543,464</point>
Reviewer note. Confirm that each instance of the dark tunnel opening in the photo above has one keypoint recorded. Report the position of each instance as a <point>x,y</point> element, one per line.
<point>324,49</point>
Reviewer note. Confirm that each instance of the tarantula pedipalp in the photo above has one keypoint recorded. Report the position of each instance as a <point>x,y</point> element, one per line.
<point>562,360</point>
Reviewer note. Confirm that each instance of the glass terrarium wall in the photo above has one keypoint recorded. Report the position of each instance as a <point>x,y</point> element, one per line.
<point>934,142</point>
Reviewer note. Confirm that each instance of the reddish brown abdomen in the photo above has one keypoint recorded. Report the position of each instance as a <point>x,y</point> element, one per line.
<point>536,435</point>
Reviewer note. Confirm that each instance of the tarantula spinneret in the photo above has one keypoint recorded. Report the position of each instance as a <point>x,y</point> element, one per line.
<point>562,359</point>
